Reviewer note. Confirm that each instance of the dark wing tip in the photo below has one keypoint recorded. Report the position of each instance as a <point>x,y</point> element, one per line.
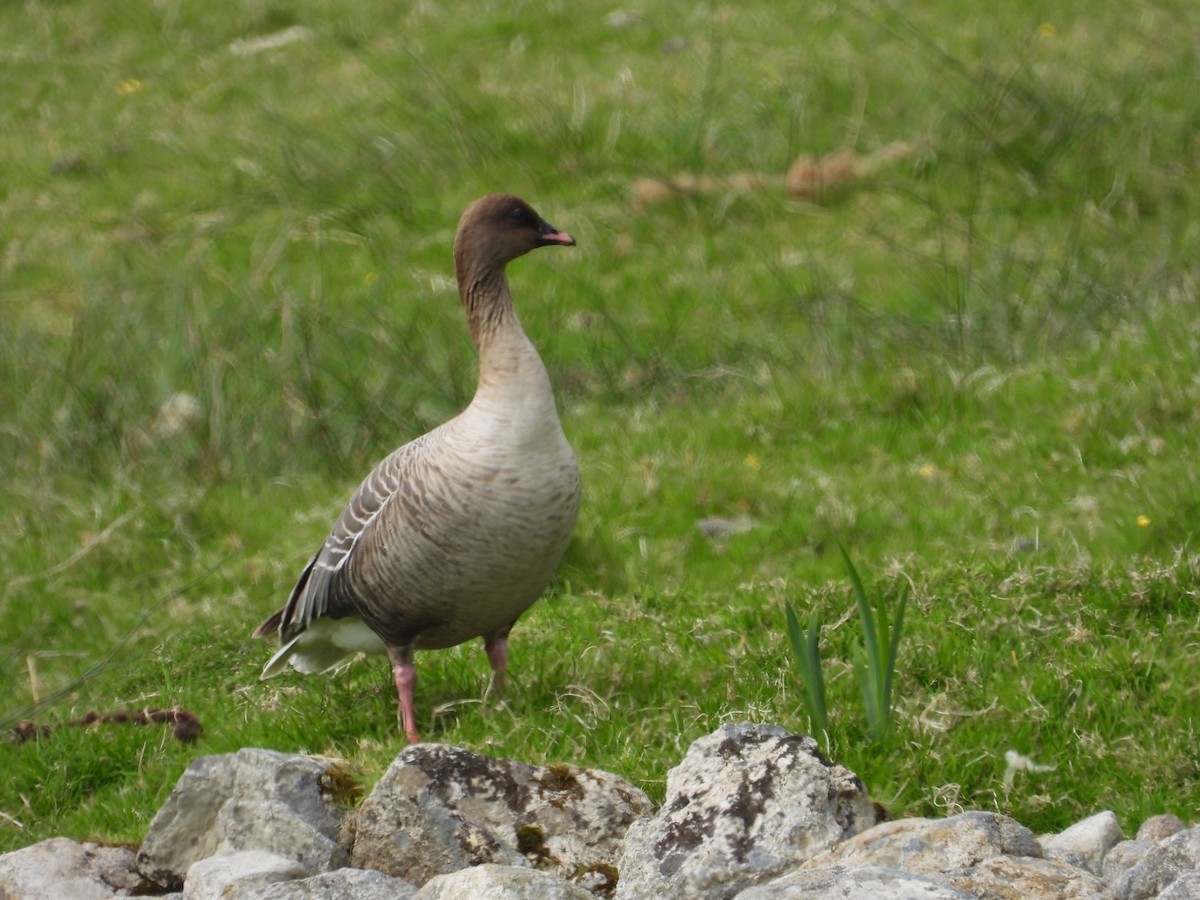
<point>270,627</point>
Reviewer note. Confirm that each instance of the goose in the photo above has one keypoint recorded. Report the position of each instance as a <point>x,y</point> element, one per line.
<point>458,532</point>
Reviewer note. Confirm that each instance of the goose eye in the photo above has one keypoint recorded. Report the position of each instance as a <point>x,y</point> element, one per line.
<point>520,216</point>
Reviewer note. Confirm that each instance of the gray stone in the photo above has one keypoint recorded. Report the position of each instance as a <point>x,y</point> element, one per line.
<point>858,883</point>
<point>1185,887</point>
<point>1163,864</point>
<point>500,883</point>
<point>250,800</point>
<point>238,876</point>
<point>1124,855</point>
<point>182,832</point>
<point>273,827</point>
<point>60,867</point>
<point>1158,828</point>
<point>747,803</point>
<point>1085,843</point>
<point>439,809</point>
<point>935,847</point>
<point>342,884</point>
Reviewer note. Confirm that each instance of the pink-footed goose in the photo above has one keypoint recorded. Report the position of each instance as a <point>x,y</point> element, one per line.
<point>454,535</point>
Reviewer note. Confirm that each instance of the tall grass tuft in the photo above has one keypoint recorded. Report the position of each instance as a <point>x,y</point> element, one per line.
<point>807,650</point>
<point>881,643</point>
<point>875,666</point>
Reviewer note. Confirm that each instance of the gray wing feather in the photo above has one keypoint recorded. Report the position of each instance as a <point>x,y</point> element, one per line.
<point>313,596</point>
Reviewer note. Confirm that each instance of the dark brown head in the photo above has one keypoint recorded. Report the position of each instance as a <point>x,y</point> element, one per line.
<point>498,228</point>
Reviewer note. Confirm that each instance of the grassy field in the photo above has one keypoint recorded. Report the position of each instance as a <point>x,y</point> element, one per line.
<point>225,291</point>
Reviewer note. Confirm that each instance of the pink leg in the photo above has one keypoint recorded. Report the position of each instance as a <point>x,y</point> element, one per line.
<point>406,677</point>
<point>497,653</point>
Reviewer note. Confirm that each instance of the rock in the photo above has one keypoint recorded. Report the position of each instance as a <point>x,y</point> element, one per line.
<point>746,804</point>
<point>1025,877</point>
<point>1123,856</point>
<point>1185,887</point>
<point>1158,828</point>
<point>343,884</point>
<point>238,876</point>
<point>752,813</point>
<point>858,883</point>
<point>1163,864</point>
<point>718,528</point>
<point>935,847</point>
<point>1085,843</point>
<point>438,809</point>
<point>500,883</point>
<point>979,854</point>
<point>274,827</point>
<point>182,832</point>
<point>257,800</point>
<point>60,867</point>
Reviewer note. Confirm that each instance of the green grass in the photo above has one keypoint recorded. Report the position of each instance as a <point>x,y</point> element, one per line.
<point>975,369</point>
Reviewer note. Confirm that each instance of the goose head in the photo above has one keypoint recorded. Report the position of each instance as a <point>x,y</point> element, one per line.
<point>497,229</point>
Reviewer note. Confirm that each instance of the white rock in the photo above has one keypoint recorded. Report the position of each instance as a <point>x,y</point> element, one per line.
<point>747,803</point>
<point>858,883</point>
<point>239,875</point>
<point>495,882</point>
<point>1085,843</point>
<point>61,867</point>
<point>439,809</point>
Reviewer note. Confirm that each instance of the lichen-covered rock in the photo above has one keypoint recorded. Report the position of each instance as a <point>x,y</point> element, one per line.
<point>252,800</point>
<point>500,883</point>
<point>440,808</point>
<point>1162,865</point>
<point>746,804</point>
<point>858,883</point>
<point>60,867</point>
<point>1085,843</point>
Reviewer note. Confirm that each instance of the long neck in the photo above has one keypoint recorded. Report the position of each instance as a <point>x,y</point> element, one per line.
<point>508,362</point>
<point>488,303</point>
